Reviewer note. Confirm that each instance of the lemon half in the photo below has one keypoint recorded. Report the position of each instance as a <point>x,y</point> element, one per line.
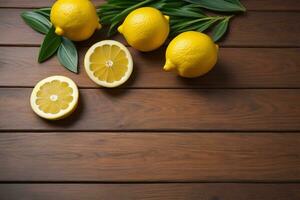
<point>108,63</point>
<point>55,97</point>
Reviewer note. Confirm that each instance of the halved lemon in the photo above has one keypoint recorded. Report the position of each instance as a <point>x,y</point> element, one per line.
<point>55,97</point>
<point>108,63</point>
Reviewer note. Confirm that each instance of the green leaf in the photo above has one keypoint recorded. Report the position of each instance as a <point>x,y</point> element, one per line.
<point>219,5</point>
<point>237,2</point>
<point>67,55</point>
<point>199,26</point>
<point>125,12</point>
<point>49,46</point>
<point>158,5</point>
<point>220,29</point>
<point>36,21</point>
<point>190,22</point>
<point>45,12</point>
<point>183,13</point>
<point>205,26</point>
<point>112,29</point>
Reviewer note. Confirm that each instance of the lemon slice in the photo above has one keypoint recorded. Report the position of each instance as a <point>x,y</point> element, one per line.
<point>55,97</point>
<point>108,63</point>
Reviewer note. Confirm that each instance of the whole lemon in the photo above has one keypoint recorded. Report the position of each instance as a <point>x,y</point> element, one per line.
<point>145,29</point>
<point>74,19</point>
<point>191,54</point>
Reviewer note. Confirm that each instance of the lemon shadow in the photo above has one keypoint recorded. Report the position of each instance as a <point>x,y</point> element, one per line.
<point>219,77</point>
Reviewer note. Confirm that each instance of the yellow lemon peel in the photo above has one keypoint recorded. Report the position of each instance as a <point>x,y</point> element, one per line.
<point>74,19</point>
<point>191,54</point>
<point>145,29</point>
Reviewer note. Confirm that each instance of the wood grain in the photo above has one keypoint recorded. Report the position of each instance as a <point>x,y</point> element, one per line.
<point>162,109</point>
<point>253,29</point>
<point>151,191</point>
<point>204,157</point>
<point>164,129</point>
<point>274,5</point>
<point>252,68</point>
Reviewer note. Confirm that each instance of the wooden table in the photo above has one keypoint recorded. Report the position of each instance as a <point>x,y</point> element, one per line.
<point>233,134</point>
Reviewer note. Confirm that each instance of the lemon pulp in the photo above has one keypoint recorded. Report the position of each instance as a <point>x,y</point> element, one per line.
<point>108,63</point>
<point>54,97</point>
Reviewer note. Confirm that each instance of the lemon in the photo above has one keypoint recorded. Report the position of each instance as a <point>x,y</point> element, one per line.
<point>54,97</point>
<point>74,19</point>
<point>145,29</point>
<point>191,54</point>
<point>108,63</point>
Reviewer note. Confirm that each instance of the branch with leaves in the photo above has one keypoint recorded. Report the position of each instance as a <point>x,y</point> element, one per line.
<point>186,15</point>
<point>66,51</point>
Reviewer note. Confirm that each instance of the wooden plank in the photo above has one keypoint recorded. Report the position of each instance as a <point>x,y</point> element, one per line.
<point>35,3</point>
<point>252,68</point>
<point>162,109</point>
<point>264,29</point>
<point>278,5</point>
<point>14,31</point>
<point>273,5</point>
<point>197,191</point>
<point>252,29</point>
<point>126,157</point>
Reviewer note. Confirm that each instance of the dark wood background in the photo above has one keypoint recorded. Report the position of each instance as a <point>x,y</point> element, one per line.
<point>232,134</point>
